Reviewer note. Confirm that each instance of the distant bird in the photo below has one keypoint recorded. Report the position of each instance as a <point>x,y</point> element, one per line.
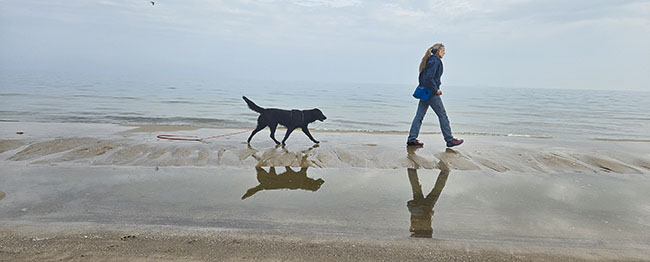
<point>152,3</point>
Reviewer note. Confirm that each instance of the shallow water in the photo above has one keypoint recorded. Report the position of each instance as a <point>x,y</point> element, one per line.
<point>377,107</point>
<point>562,210</point>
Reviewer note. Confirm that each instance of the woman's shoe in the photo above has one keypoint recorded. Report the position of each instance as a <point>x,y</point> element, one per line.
<point>414,143</point>
<point>454,142</point>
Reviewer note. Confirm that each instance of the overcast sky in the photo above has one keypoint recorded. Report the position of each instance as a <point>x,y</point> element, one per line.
<point>595,44</point>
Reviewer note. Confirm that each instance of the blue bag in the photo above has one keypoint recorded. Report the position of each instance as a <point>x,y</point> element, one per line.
<point>422,92</point>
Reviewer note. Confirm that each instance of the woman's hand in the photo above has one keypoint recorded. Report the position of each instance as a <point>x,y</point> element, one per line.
<point>439,92</point>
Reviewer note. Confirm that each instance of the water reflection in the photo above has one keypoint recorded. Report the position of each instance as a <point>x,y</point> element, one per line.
<point>290,179</point>
<point>421,207</point>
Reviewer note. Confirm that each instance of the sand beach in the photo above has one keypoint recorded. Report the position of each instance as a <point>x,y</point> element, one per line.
<point>124,127</point>
<point>117,192</point>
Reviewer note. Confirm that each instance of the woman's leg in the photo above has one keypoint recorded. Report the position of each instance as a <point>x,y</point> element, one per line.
<point>417,121</point>
<point>439,108</point>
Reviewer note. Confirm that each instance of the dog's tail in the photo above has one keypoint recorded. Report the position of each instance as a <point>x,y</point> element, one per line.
<point>253,106</point>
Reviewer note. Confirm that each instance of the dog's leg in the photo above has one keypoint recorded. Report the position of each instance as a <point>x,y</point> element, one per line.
<point>273,127</point>
<point>306,131</point>
<point>289,130</point>
<point>257,129</point>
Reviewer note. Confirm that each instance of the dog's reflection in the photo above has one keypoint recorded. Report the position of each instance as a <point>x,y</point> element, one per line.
<point>421,207</point>
<point>290,179</point>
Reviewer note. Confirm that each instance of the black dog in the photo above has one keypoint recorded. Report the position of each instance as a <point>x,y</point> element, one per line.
<point>291,119</point>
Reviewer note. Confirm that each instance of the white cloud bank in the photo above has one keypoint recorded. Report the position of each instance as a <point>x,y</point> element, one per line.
<point>530,43</point>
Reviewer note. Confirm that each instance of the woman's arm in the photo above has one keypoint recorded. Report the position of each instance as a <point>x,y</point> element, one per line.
<point>431,71</point>
<point>438,74</point>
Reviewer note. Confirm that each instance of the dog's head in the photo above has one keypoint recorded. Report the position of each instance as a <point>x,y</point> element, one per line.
<point>312,184</point>
<point>318,115</point>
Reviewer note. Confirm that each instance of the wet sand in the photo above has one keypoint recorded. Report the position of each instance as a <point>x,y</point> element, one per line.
<point>497,216</point>
<point>97,144</point>
<point>152,245</point>
<point>75,191</point>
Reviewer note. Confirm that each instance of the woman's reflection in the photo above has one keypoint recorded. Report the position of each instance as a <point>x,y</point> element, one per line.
<point>421,207</point>
<point>290,179</point>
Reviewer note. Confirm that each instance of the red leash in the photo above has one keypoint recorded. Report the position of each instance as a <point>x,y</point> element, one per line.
<point>196,138</point>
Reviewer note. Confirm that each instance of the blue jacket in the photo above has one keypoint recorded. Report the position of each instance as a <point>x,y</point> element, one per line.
<point>430,76</point>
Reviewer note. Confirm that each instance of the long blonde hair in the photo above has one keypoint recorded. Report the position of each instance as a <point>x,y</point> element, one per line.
<point>430,51</point>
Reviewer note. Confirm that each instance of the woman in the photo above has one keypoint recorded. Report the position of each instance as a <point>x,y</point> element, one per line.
<point>430,72</point>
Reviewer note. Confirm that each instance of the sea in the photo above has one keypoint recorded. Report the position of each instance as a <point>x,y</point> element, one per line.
<point>613,114</point>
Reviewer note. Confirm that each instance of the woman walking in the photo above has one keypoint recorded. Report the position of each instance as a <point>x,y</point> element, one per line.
<point>430,72</point>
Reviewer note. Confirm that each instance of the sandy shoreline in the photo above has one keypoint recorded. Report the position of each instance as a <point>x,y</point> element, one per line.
<point>95,243</point>
<point>97,144</point>
<point>110,192</point>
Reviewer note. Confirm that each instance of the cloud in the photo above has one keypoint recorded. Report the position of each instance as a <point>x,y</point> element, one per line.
<point>327,3</point>
<point>348,30</point>
<point>296,19</point>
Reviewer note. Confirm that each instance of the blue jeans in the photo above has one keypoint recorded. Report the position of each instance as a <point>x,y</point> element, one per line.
<point>435,102</point>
